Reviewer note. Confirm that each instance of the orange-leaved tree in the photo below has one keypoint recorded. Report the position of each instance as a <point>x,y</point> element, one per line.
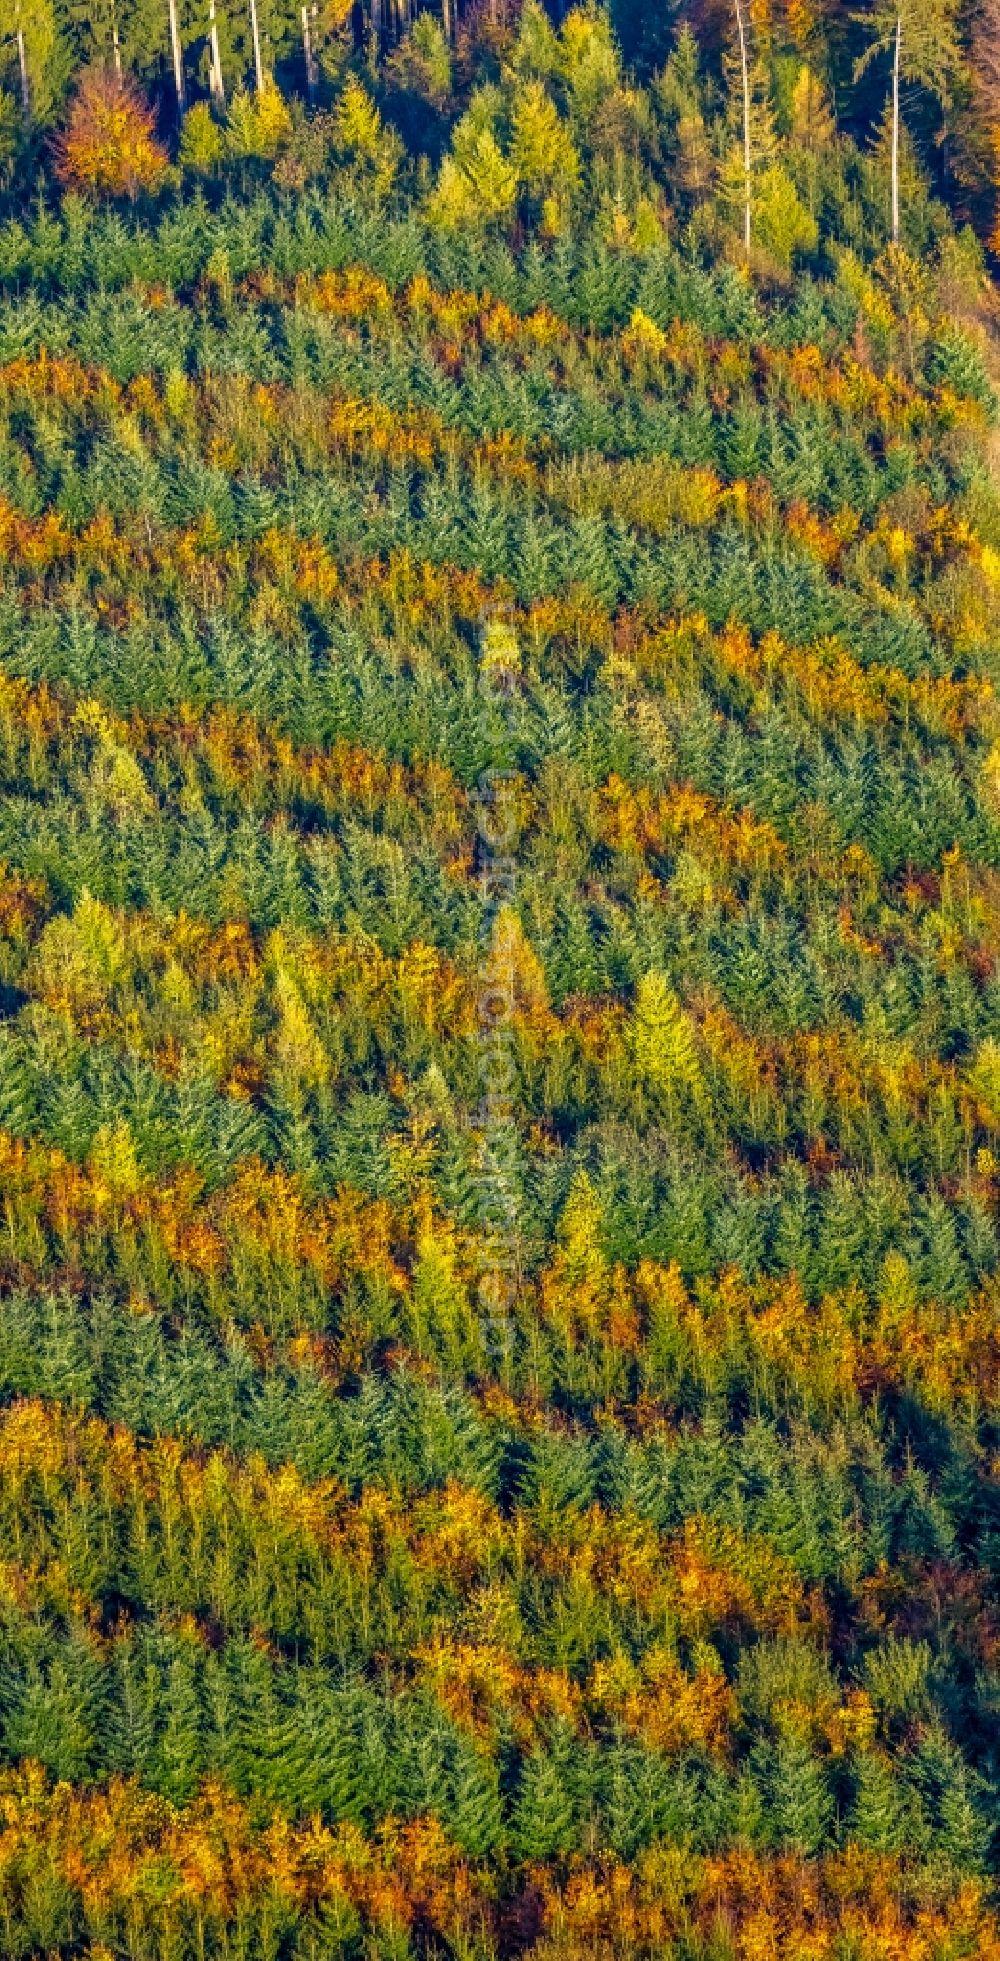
<point>108,144</point>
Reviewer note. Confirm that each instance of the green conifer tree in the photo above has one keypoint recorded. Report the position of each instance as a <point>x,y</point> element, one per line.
<point>134,1703</point>
<point>800,1807</point>
<point>879,1818</point>
<point>475,1814</point>
<point>180,1755</point>
<point>545,1820</point>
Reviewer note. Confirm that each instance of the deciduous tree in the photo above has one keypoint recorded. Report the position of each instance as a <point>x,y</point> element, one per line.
<point>108,145</point>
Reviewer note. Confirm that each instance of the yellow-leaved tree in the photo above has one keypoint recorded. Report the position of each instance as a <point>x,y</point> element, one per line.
<point>202,145</point>
<point>80,958</point>
<point>258,124</point>
<point>811,126</point>
<point>589,61</point>
<point>576,1289</point>
<point>536,49</point>
<point>108,146</point>
<point>663,1050</point>
<point>984,1083</point>
<point>477,184</point>
<point>442,1325</point>
<point>113,1159</point>
<point>784,225</point>
<point>543,153</point>
<point>362,137</point>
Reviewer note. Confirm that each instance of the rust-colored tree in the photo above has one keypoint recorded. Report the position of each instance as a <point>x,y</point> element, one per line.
<point>108,146</point>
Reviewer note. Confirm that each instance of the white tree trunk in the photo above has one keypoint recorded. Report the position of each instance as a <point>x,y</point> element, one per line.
<point>22,64</point>
<point>255,35</point>
<point>307,49</point>
<point>178,58</point>
<point>116,46</point>
<point>215,80</point>
<point>747,158</point>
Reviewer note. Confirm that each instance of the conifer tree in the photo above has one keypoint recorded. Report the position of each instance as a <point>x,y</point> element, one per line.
<point>879,1821</point>
<point>54,1718</point>
<point>800,1806</point>
<point>961,1829</point>
<point>179,1755</point>
<point>545,1812</point>
<point>134,1707</point>
<point>475,1813</point>
<point>542,151</point>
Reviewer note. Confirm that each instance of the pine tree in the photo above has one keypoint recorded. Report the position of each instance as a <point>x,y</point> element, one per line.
<point>962,1825</point>
<point>179,1762</point>
<point>376,1749</point>
<point>475,1814</point>
<point>320,1777</point>
<point>119,34</point>
<point>589,61</point>
<point>134,1704</point>
<point>800,1808</point>
<point>266,1728</point>
<point>536,50</point>
<point>879,1819</point>
<point>477,184</point>
<point>643,1799</point>
<point>967,1821</point>
<point>55,1719</point>
<point>545,1810</point>
<point>542,151</point>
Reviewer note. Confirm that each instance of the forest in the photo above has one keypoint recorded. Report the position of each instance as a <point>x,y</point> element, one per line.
<point>499,981</point>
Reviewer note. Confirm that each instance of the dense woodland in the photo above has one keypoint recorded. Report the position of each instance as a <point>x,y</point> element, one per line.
<point>499,982</point>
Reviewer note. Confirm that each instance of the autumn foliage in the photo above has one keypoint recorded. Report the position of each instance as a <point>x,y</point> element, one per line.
<point>499,1002</point>
<point>108,146</point>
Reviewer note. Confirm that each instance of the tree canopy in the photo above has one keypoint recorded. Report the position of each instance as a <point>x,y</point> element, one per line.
<point>499,1000</point>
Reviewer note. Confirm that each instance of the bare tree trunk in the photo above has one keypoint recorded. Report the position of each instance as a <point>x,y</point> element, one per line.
<point>116,46</point>
<point>747,158</point>
<point>178,58</point>
<point>897,55</point>
<point>447,21</point>
<point>215,78</point>
<point>255,36</point>
<point>22,63</point>
<point>307,49</point>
